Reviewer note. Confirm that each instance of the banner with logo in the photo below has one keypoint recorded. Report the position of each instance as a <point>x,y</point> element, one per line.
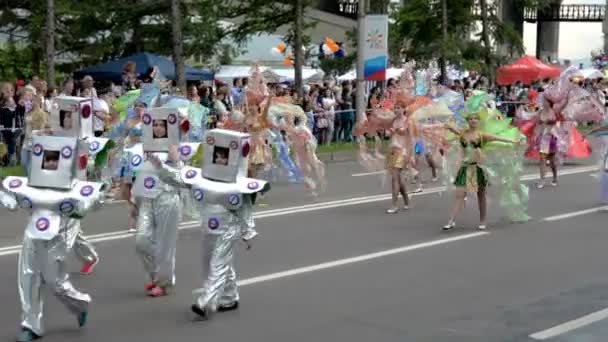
<point>375,53</point>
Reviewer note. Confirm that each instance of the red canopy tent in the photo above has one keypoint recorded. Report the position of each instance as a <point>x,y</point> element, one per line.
<point>526,69</point>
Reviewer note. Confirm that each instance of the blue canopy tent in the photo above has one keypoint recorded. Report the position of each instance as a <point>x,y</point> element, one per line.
<point>112,71</point>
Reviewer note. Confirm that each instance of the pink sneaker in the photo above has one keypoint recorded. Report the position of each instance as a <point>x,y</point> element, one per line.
<point>88,267</point>
<point>157,292</point>
<point>149,286</point>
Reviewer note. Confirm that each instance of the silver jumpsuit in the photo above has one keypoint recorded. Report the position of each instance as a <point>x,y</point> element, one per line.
<point>223,226</point>
<point>157,225</point>
<point>47,242</point>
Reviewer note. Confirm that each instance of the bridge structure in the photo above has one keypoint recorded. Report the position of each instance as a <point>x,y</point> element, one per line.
<point>547,20</point>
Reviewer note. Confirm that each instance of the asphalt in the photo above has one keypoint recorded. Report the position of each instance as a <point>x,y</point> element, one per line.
<point>343,270</point>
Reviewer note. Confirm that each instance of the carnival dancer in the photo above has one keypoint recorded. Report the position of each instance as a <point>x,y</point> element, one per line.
<point>552,132</point>
<point>158,198</point>
<point>474,170</point>
<point>299,136</point>
<point>226,197</point>
<point>602,133</point>
<point>402,134</point>
<point>56,198</point>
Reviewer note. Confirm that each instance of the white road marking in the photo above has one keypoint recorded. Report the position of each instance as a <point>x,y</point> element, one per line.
<point>526,177</point>
<point>571,325</point>
<point>8,250</point>
<point>352,260</point>
<point>575,213</point>
<point>367,173</point>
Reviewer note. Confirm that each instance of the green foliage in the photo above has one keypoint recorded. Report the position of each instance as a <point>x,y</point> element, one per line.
<point>337,66</point>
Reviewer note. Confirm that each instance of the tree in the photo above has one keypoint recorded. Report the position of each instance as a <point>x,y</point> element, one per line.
<point>50,43</point>
<point>176,42</point>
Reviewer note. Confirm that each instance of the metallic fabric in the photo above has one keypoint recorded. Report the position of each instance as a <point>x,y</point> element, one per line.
<point>222,230</point>
<point>43,262</point>
<point>157,226</point>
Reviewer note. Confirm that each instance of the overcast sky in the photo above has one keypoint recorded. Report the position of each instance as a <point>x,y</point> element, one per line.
<point>576,40</point>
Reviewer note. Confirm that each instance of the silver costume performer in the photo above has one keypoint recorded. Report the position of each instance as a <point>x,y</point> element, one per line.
<point>158,198</point>
<point>73,117</point>
<point>225,196</point>
<point>57,201</point>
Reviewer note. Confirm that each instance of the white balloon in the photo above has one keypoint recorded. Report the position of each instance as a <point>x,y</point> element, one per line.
<point>327,50</point>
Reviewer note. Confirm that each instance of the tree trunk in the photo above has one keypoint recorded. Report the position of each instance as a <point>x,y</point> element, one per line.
<point>136,39</point>
<point>178,58</point>
<point>50,43</point>
<point>444,38</point>
<point>299,56</point>
<point>485,37</point>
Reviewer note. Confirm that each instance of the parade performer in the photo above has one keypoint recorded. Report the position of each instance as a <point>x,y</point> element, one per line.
<point>402,133</point>
<point>127,134</point>
<point>486,149</point>
<point>602,133</point>
<point>551,130</point>
<point>73,117</point>
<point>56,198</point>
<point>158,197</point>
<point>226,197</point>
<point>299,136</point>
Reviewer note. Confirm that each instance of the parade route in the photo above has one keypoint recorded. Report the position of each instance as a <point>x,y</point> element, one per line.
<point>340,269</point>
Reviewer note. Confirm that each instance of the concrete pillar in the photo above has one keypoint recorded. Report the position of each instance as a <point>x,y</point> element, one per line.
<point>512,14</point>
<point>547,37</point>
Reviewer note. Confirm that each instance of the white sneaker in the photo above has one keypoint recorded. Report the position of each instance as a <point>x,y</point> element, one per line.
<point>392,210</point>
<point>482,227</point>
<point>449,226</point>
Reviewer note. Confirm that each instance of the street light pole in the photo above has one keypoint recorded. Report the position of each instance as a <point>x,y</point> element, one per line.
<point>361,104</point>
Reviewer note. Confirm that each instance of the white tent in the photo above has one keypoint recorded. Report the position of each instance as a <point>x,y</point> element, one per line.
<point>390,73</point>
<point>229,72</point>
<point>308,74</point>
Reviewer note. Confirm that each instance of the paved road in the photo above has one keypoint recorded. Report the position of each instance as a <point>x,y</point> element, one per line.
<point>343,270</point>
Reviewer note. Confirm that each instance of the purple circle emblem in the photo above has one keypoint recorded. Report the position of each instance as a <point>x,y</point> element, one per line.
<point>253,185</point>
<point>190,174</point>
<point>26,203</point>
<point>210,140</point>
<point>185,150</point>
<point>15,183</point>
<point>37,150</point>
<point>136,160</point>
<point>86,190</point>
<point>146,119</point>
<point>198,195</point>
<point>213,223</point>
<point>94,146</point>
<point>42,224</point>
<point>66,207</point>
<point>234,145</point>
<point>234,199</point>
<point>149,182</point>
<point>172,119</point>
<point>66,152</point>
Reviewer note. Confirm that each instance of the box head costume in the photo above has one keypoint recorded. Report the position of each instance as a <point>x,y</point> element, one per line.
<point>221,184</point>
<point>73,117</point>
<point>161,128</point>
<point>52,188</point>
